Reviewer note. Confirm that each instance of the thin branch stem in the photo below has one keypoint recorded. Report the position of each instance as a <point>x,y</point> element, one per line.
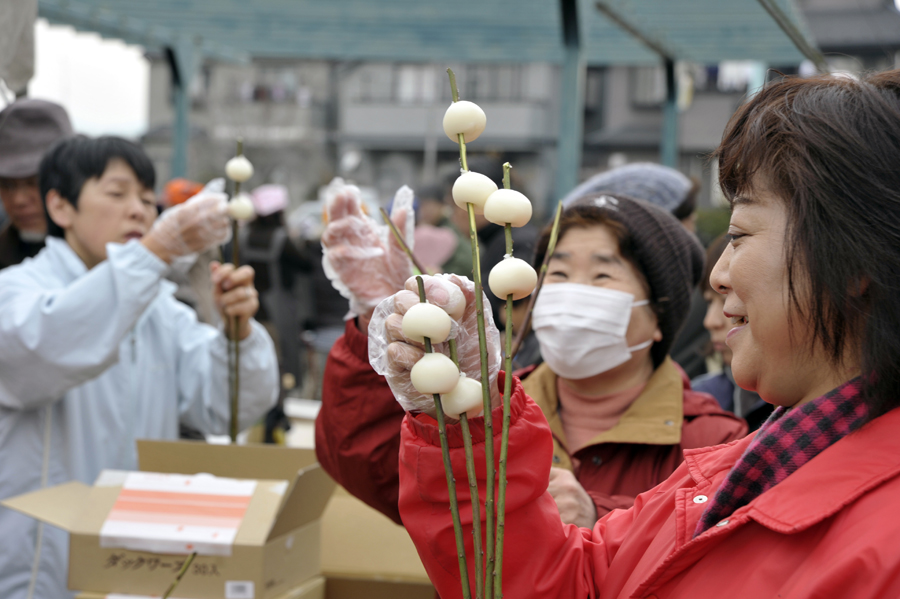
<point>235,341</point>
<point>551,247</point>
<point>454,91</point>
<point>448,471</point>
<point>485,381</point>
<point>180,575</point>
<point>504,435</point>
<point>486,399</point>
<point>417,266</point>
<point>462,152</point>
<point>474,499</point>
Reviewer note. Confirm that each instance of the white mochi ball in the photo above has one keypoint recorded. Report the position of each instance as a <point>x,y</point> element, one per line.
<point>464,117</point>
<point>239,169</point>
<point>434,373</point>
<point>426,320</point>
<point>240,207</point>
<point>473,188</point>
<point>465,399</point>
<point>507,206</point>
<point>514,276</point>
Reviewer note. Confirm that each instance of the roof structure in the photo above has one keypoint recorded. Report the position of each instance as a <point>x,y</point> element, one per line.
<point>705,31</point>
<point>573,33</point>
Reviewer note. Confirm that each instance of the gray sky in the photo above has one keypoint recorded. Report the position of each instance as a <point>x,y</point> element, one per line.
<point>102,83</point>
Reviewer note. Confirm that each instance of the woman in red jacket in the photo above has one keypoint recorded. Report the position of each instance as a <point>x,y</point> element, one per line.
<point>807,506</point>
<point>621,411</point>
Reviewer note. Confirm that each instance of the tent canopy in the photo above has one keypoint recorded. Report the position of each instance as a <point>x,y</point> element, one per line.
<point>705,31</point>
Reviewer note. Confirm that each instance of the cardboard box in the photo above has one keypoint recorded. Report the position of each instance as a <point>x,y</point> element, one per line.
<point>277,545</point>
<point>366,556</point>
<point>311,589</point>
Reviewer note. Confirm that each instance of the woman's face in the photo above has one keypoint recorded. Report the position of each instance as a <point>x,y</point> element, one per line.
<point>772,354</point>
<point>590,256</point>
<point>717,324</point>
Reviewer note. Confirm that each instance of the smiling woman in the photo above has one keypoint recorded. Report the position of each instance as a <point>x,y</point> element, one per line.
<point>810,168</point>
<point>806,507</point>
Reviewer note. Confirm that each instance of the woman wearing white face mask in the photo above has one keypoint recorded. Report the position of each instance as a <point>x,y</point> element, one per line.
<point>617,290</point>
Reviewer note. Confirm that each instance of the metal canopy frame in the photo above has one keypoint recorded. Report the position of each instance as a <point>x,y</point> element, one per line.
<point>617,13</point>
<point>573,33</point>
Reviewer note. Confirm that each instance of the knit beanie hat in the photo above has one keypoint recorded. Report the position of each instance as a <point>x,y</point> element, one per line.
<point>670,258</point>
<point>660,185</point>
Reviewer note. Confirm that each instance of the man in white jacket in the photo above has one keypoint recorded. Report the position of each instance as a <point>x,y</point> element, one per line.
<point>94,350</point>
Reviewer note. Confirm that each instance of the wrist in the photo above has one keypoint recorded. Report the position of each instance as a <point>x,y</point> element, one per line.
<point>362,322</point>
<point>150,242</point>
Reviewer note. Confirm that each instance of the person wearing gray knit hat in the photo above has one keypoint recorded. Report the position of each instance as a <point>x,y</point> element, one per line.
<point>668,257</point>
<point>660,185</point>
<point>28,128</point>
<point>676,194</point>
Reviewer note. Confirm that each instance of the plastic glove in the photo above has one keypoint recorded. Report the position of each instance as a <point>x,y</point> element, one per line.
<point>192,227</point>
<point>393,355</point>
<point>360,257</point>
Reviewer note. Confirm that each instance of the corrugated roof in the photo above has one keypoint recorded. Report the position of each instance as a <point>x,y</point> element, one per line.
<point>415,30</point>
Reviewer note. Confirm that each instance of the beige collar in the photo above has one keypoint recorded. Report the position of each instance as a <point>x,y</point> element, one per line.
<point>655,417</point>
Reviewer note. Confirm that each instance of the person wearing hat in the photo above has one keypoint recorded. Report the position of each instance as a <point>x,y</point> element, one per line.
<point>676,194</point>
<point>28,128</point>
<point>618,288</point>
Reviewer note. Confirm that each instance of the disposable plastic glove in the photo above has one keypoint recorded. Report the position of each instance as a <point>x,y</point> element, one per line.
<point>360,257</point>
<point>192,227</point>
<point>393,355</point>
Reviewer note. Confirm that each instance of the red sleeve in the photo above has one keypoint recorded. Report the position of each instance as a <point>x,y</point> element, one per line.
<point>358,428</point>
<point>544,558</point>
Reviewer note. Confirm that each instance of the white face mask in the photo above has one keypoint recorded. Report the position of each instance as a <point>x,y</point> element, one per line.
<point>582,328</point>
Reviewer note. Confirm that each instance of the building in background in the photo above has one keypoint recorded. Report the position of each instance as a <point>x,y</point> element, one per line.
<point>379,123</point>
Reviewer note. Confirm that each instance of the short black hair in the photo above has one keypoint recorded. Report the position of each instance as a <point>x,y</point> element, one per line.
<point>73,161</point>
<point>827,147</point>
<point>689,204</point>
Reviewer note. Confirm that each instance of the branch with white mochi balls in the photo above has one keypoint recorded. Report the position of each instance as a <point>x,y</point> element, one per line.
<point>436,374</point>
<point>240,207</point>
<point>464,122</point>
<point>512,278</point>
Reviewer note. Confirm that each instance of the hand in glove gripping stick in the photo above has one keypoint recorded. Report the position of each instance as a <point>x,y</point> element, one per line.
<point>393,355</point>
<point>192,227</point>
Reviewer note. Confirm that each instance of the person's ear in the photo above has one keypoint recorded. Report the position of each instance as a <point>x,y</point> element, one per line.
<point>60,210</point>
<point>657,335</point>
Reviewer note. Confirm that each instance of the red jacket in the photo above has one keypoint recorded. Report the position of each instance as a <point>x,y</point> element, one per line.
<point>358,431</point>
<point>828,530</point>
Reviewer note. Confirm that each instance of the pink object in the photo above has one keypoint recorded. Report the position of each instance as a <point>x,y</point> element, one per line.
<point>434,245</point>
<point>269,199</point>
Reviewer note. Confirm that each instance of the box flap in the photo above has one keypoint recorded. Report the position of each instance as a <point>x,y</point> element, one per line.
<point>59,506</point>
<point>306,500</point>
<point>269,462</point>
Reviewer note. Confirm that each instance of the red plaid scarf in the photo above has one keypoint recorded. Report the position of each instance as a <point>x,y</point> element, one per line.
<point>787,441</point>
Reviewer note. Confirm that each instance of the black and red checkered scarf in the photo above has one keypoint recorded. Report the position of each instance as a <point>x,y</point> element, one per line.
<point>786,441</point>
